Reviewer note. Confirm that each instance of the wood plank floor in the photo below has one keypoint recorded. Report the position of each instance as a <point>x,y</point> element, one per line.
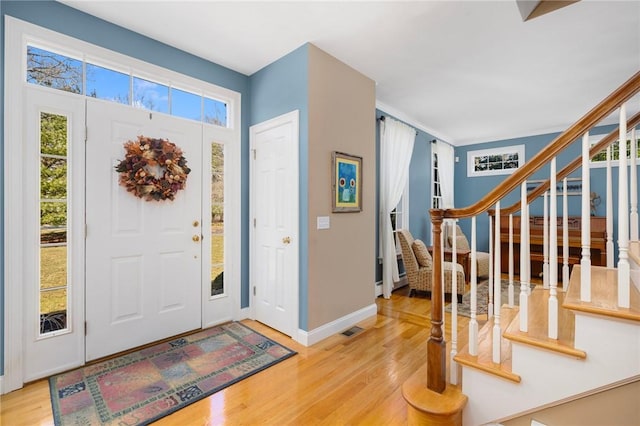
<point>341,380</point>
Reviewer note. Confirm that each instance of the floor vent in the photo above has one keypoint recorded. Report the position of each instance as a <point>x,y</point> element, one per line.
<point>353,330</point>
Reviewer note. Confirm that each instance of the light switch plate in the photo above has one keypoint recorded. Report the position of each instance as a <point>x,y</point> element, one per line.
<point>323,222</point>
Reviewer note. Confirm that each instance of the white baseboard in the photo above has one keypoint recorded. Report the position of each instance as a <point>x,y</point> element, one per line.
<point>244,313</point>
<point>1,387</point>
<point>308,338</point>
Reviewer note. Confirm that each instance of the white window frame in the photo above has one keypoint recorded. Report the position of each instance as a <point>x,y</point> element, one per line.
<point>18,34</point>
<point>594,139</point>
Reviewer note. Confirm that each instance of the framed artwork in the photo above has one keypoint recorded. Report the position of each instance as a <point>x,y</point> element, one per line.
<point>496,161</point>
<point>346,183</point>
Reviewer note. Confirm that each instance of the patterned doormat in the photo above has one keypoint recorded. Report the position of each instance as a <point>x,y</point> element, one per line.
<point>143,386</point>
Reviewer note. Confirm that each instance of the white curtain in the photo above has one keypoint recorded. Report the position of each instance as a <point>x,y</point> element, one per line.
<point>446,164</point>
<point>396,147</point>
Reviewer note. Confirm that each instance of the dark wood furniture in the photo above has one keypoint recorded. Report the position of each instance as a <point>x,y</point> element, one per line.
<point>463,257</point>
<point>598,242</point>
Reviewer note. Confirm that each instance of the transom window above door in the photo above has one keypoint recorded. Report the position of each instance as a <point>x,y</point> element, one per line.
<point>57,71</point>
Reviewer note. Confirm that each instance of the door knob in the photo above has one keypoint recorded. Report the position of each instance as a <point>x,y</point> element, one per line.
<point>195,223</point>
<point>286,240</point>
<point>196,238</point>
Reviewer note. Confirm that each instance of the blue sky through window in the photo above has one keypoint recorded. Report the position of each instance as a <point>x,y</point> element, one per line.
<point>103,83</point>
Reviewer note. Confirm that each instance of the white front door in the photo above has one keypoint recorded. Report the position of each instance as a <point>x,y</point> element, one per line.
<point>143,258</point>
<point>274,196</point>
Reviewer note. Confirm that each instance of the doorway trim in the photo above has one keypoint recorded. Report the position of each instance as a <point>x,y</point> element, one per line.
<point>291,118</point>
<point>17,34</point>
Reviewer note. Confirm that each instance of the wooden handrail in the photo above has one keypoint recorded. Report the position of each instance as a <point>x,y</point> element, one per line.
<point>588,121</point>
<point>571,167</point>
<point>436,345</point>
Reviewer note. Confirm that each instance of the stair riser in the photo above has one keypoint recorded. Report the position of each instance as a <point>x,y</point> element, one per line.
<point>635,272</point>
<point>548,376</point>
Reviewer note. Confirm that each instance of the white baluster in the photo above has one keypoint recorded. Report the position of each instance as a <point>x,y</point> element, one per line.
<point>527,234</point>
<point>633,188</point>
<point>473,324</point>
<point>491,263</point>
<point>524,260</point>
<point>585,261</point>
<point>624,294</point>
<point>545,242</point>
<point>510,260</point>
<point>553,258</point>
<point>565,236</point>
<point>497,293</point>
<point>453,376</point>
<point>609,213</point>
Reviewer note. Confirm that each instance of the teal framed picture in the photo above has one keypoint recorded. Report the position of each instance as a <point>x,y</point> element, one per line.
<point>346,183</point>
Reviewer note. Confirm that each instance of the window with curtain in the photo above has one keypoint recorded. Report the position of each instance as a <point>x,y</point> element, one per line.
<point>400,215</point>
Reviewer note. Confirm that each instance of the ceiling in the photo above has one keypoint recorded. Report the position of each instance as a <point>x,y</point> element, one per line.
<point>464,71</point>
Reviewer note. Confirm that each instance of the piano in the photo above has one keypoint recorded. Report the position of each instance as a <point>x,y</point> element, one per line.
<point>598,243</point>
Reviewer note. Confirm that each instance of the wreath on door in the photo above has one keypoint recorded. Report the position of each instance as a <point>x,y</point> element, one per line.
<point>153,169</point>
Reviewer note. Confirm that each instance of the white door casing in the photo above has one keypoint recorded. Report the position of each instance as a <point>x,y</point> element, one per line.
<point>64,349</point>
<point>275,210</point>
<point>143,263</point>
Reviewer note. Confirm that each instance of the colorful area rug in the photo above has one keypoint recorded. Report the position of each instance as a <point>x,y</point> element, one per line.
<point>141,387</point>
<point>464,308</point>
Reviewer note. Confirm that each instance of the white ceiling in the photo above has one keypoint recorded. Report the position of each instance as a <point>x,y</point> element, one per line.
<point>465,71</point>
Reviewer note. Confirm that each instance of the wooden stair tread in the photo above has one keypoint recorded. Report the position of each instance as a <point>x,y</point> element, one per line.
<point>538,327</point>
<point>484,360</point>
<point>604,295</point>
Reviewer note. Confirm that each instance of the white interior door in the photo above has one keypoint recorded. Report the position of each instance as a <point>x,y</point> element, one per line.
<point>143,258</point>
<point>274,265</point>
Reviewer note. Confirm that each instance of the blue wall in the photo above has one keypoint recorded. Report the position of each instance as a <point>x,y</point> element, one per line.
<point>279,88</point>
<point>69,21</point>
<point>419,187</point>
<point>470,189</point>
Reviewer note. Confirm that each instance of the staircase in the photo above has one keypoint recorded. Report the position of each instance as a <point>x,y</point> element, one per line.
<point>556,346</point>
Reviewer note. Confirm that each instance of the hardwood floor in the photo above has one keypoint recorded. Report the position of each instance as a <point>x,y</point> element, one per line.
<point>341,380</point>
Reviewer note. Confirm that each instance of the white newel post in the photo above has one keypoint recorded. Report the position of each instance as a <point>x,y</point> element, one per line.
<point>553,249</point>
<point>609,212</point>
<point>585,261</point>
<point>565,236</point>
<point>524,260</point>
<point>623,217</point>
<point>473,324</point>
<point>510,301</point>
<point>497,289</point>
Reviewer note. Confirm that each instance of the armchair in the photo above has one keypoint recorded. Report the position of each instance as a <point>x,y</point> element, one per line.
<point>419,266</point>
<point>482,258</point>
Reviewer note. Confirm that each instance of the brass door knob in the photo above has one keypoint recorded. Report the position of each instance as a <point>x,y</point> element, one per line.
<point>195,223</point>
<point>196,238</point>
<point>286,240</point>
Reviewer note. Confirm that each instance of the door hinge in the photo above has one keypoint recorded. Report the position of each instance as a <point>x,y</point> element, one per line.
<point>86,227</point>
<point>85,328</point>
<point>254,222</point>
<point>86,134</point>
<point>254,154</point>
<point>254,290</point>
